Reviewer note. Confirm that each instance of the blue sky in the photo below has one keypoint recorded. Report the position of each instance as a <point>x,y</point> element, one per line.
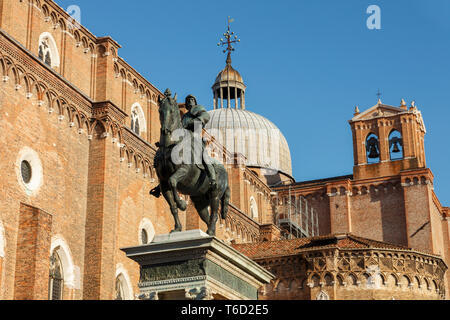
<point>306,64</point>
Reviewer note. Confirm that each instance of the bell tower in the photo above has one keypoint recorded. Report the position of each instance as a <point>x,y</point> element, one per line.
<point>387,140</point>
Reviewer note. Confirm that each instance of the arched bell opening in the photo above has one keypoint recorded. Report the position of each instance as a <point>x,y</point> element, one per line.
<point>396,145</point>
<point>372,149</point>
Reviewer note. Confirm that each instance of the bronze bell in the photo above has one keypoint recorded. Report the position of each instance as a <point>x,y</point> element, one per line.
<point>396,142</point>
<point>372,146</point>
<point>373,153</point>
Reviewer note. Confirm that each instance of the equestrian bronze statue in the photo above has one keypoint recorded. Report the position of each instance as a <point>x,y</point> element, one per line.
<point>183,166</point>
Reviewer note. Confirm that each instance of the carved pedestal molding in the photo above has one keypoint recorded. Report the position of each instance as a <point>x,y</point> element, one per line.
<point>195,266</point>
<point>202,293</point>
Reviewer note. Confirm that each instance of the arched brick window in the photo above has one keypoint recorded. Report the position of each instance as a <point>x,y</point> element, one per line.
<point>396,145</point>
<point>48,51</point>
<point>123,288</point>
<point>372,149</point>
<point>253,209</point>
<point>138,121</point>
<point>56,280</point>
<point>62,269</point>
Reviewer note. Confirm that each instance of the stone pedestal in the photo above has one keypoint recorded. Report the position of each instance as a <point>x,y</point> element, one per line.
<point>192,265</point>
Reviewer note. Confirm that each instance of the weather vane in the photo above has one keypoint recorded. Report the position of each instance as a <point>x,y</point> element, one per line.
<point>230,38</point>
<point>379,94</point>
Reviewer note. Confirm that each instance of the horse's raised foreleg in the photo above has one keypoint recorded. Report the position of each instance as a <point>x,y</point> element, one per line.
<point>179,175</point>
<point>168,195</point>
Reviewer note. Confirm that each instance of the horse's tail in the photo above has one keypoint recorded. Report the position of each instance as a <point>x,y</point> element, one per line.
<point>224,202</point>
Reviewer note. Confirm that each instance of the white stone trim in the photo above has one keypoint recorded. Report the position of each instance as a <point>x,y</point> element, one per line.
<point>122,274</point>
<point>254,209</point>
<point>71,272</point>
<point>37,176</point>
<point>52,47</point>
<point>146,225</point>
<point>141,116</point>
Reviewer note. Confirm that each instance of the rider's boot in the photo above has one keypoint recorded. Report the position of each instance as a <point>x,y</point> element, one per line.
<point>211,175</point>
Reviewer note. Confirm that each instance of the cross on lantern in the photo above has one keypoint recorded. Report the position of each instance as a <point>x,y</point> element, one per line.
<point>230,38</point>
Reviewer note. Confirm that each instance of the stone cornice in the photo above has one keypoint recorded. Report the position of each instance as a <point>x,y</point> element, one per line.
<point>107,109</point>
<point>336,250</point>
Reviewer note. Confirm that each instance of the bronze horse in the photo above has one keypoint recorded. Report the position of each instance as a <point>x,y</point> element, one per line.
<point>187,178</point>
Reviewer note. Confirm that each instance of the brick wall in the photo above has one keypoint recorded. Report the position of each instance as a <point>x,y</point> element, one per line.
<point>33,258</point>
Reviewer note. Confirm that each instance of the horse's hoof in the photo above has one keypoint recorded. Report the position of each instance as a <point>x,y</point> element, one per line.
<point>182,205</point>
<point>211,233</point>
<point>175,230</point>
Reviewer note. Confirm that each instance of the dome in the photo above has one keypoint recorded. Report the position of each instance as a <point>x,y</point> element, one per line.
<point>252,135</point>
<point>229,74</point>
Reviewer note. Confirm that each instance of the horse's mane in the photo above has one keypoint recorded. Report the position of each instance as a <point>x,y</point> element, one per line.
<point>173,105</point>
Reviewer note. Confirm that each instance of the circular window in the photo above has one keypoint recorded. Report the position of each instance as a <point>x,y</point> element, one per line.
<point>146,232</point>
<point>144,236</point>
<point>26,171</point>
<point>29,171</point>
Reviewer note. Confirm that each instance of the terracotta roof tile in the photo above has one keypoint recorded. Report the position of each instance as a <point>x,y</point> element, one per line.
<point>295,246</point>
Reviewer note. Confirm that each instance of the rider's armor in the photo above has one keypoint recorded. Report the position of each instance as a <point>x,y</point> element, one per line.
<point>199,113</point>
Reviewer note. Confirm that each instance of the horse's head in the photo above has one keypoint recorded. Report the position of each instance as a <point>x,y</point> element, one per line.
<point>169,116</point>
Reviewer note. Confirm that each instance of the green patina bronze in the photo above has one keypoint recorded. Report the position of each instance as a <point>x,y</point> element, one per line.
<point>206,182</point>
<point>197,267</point>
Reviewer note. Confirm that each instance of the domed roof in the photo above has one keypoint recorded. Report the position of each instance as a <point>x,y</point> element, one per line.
<point>229,74</point>
<point>252,135</point>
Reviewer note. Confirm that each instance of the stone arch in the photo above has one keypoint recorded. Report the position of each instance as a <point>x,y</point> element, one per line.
<point>392,280</point>
<point>315,280</point>
<point>328,279</point>
<point>340,280</point>
<point>101,50</point>
<point>138,120</point>
<point>54,17</point>
<point>59,245</point>
<point>45,11</point>
<point>352,279</point>
<point>84,43</point>
<point>426,284</point>
<point>62,24</point>
<point>434,285</point>
<point>123,284</point>
<point>77,37</point>
<point>405,281</point>
<point>417,283</point>
<point>48,48</point>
